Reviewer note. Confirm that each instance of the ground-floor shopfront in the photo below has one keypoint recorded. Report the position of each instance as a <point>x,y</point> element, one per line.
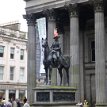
<point>10,91</point>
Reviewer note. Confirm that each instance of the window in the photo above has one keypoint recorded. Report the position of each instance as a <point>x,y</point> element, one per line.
<point>21,54</point>
<point>21,75</point>
<point>1,72</point>
<point>93,50</point>
<point>1,51</point>
<point>12,53</point>
<point>11,73</point>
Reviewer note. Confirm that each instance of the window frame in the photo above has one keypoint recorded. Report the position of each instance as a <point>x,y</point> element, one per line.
<point>12,74</point>
<point>92,51</point>
<point>2,73</point>
<point>21,54</point>
<point>12,52</point>
<point>21,74</point>
<point>2,53</point>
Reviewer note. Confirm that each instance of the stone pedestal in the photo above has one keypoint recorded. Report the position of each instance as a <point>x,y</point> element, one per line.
<point>54,96</point>
<point>101,105</point>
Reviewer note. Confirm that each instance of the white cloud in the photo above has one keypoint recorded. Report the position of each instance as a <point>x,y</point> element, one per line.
<point>12,10</point>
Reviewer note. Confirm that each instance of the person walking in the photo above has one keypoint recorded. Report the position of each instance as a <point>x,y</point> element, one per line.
<point>9,103</point>
<point>14,103</point>
<point>18,102</point>
<point>26,104</point>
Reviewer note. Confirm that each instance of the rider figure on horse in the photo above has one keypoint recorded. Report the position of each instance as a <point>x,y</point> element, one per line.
<point>55,49</point>
<point>53,58</point>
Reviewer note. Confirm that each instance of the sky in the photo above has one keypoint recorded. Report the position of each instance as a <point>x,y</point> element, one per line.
<point>13,10</point>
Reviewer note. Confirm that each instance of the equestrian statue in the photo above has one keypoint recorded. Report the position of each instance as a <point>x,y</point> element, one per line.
<point>53,58</point>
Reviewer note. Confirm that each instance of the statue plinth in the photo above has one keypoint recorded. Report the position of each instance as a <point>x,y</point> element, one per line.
<point>54,96</point>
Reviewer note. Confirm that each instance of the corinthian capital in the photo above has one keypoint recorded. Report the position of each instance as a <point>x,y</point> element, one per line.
<point>49,13</point>
<point>73,9</point>
<point>98,5</point>
<point>30,19</point>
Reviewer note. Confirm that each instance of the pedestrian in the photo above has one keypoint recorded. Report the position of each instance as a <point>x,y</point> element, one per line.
<point>26,103</point>
<point>14,103</point>
<point>18,103</point>
<point>9,103</point>
<point>85,103</point>
<point>3,102</point>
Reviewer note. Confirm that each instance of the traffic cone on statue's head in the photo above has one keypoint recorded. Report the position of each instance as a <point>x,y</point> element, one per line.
<point>55,34</point>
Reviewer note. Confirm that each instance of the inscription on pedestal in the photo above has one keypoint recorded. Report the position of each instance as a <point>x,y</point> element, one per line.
<point>43,96</point>
<point>63,96</point>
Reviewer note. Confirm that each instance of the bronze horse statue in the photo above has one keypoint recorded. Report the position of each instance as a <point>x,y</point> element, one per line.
<point>60,64</point>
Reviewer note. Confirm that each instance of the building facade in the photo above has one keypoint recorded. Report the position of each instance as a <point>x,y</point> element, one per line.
<point>83,26</point>
<point>13,61</point>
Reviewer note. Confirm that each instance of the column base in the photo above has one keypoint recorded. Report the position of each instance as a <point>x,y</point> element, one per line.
<point>101,105</point>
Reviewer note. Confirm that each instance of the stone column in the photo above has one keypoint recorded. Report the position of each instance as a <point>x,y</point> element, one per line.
<point>100,70</point>
<point>74,50</point>
<point>26,93</point>
<point>82,74</point>
<point>31,73</point>
<point>17,94</point>
<point>6,95</point>
<point>51,26</point>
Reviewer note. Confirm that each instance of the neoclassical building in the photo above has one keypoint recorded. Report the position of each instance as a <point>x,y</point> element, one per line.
<point>13,61</point>
<point>82,25</point>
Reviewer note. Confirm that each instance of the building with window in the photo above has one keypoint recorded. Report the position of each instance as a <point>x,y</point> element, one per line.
<point>13,61</point>
<point>83,26</point>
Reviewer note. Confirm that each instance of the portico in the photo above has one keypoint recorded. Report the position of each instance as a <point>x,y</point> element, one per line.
<point>82,24</point>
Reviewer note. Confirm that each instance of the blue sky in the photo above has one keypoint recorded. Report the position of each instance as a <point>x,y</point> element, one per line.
<point>13,10</point>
